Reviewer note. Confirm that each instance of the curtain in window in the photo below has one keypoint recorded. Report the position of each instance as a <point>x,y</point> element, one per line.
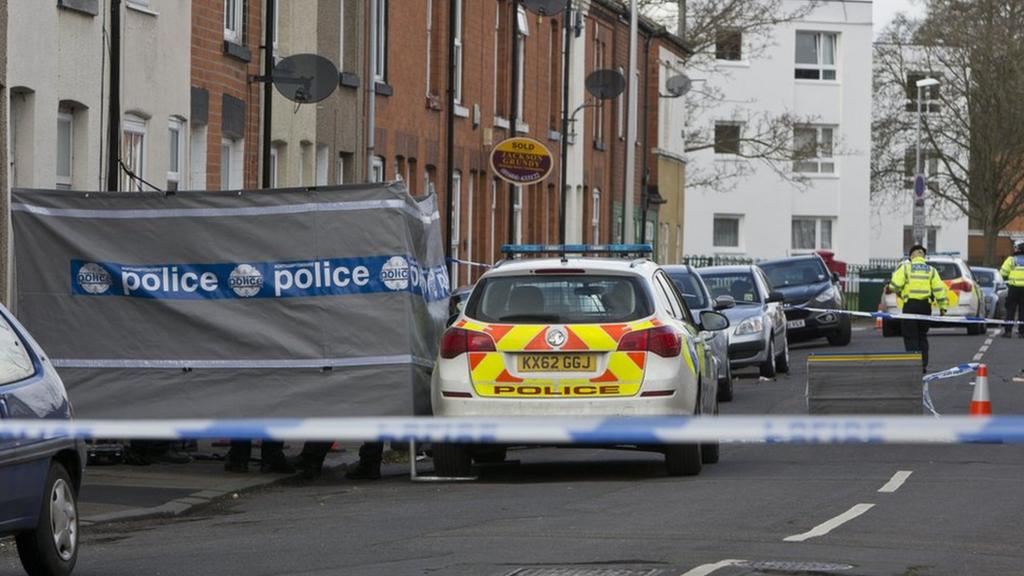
<point>726,232</point>
<point>826,234</point>
<point>803,235</point>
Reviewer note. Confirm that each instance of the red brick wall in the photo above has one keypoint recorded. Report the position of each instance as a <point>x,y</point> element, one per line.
<point>219,73</point>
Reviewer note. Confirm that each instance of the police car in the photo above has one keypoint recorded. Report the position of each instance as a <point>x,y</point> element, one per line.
<point>964,295</point>
<point>576,336</point>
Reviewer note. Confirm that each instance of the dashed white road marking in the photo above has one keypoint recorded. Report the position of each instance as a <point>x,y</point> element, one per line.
<point>984,348</point>
<point>977,357</point>
<point>830,525</point>
<point>705,569</point>
<point>896,481</point>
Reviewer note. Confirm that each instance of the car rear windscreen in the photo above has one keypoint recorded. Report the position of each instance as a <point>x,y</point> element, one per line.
<point>795,272</point>
<point>739,285</point>
<point>562,299</point>
<point>692,291</point>
<point>984,278</point>
<point>947,270</point>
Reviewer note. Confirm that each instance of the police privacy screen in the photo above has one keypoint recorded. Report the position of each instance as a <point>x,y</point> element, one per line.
<point>288,303</point>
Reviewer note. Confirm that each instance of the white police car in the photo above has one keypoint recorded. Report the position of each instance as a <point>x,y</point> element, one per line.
<point>575,335</point>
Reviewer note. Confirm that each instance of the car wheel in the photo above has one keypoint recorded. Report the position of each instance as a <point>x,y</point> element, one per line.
<point>725,386</point>
<point>782,360</point>
<point>489,454</point>
<point>768,366</point>
<point>843,336</point>
<point>452,460</point>
<point>891,328</point>
<point>709,451</point>
<point>683,459</point>
<point>51,549</point>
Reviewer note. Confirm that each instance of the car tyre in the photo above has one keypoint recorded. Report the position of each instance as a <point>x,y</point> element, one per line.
<point>683,459</point>
<point>51,549</point>
<point>452,460</point>
<point>709,451</point>
<point>891,328</point>
<point>767,367</point>
<point>782,360</point>
<point>843,336</point>
<point>725,386</point>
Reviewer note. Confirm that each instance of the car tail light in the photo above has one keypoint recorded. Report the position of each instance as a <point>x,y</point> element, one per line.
<point>962,286</point>
<point>458,341</point>
<point>662,341</point>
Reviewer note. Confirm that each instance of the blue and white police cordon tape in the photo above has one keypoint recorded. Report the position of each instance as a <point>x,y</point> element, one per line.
<point>902,316</point>
<point>469,263</point>
<point>551,430</point>
<point>926,395</point>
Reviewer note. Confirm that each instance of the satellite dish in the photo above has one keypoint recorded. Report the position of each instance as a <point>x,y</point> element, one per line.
<point>544,7</point>
<point>305,78</point>
<point>605,84</point>
<point>678,85</point>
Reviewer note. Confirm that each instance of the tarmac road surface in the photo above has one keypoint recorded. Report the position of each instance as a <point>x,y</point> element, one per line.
<point>798,509</point>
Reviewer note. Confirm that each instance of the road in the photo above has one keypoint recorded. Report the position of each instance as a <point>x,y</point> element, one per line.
<point>864,510</point>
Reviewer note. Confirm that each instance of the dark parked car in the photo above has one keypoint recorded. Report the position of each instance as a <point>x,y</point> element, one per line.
<point>39,479</point>
<point>699,299</point>
<point>805,282</point>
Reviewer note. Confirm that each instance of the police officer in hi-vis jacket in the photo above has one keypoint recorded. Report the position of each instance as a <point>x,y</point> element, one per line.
<point>918,285</point>
<point>1013,272</point>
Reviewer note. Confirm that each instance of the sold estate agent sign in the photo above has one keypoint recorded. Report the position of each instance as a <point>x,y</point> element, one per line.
<point>521,161</point>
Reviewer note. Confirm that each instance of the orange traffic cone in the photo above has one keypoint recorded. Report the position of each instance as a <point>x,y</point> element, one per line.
<point>980,403</point>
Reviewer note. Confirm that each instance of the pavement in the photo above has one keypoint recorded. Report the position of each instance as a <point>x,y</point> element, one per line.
<point>123,492</point>
<point>856,510</point>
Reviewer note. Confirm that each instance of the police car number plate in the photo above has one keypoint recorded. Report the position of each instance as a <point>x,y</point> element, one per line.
<point>556,363</point>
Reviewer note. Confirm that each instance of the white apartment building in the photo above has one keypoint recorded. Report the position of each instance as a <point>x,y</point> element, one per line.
<point>817,71</point>
<point>892,207</point>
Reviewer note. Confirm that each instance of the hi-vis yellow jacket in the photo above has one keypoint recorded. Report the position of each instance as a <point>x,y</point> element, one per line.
<point>916,280</point>
<point>1013,270</point>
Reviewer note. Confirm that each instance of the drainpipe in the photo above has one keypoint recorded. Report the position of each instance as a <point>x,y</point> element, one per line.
<point>513,116</point>
<point>645,175</point>
<point>268,89</point>
<point>450,142</point>
<point>114,110</point>
<point>371,86</point>
<point>567,17</point>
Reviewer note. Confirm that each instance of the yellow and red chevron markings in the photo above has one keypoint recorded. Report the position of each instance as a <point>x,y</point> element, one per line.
<point>622,377</point>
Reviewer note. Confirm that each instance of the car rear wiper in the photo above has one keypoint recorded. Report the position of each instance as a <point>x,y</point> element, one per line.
<point>541,317</point>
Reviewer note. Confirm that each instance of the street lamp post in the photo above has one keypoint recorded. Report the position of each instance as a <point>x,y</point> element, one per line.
<point>920,186</point>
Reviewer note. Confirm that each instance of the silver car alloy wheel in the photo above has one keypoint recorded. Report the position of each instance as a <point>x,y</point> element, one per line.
<point>63,519</point>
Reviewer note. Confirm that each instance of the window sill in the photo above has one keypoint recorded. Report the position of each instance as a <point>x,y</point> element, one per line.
<point>522,127</point>
<point>383,89</point>
<point>348,79</point>
<point>140,9</point>
<point>599,145</point>
<point>433,102</point>
<point>720,157</point>
<point>730,251</point>
<point>237,51</point>
<point>807,82</point>
<point>816,176</point>
<point>554,135</point>
<point>461,111</point>
<point>500,122</point>
<point>732,63</point>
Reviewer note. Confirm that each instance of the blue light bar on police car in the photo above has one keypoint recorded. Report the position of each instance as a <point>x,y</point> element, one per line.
<point>513,249</point>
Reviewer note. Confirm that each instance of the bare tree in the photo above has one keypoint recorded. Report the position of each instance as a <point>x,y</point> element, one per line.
<point>746,26</point>
<point>976,134</point>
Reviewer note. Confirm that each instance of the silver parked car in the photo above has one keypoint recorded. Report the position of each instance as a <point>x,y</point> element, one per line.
<point>757,325</point>
<point>994,290</point>
<point>699,299</point>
